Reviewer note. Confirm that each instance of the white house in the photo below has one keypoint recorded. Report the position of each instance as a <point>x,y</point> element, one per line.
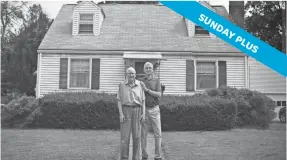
<point>88,48</point>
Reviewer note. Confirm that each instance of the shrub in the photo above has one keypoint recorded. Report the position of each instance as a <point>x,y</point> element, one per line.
<point>199,112</point>
<point>80,110</point>
<point>253,108</point>
<point>14,113</point>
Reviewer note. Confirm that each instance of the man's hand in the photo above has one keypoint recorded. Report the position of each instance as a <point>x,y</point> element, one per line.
<point>143,118</point>
<point>143,86</point>
<point>122,118</point>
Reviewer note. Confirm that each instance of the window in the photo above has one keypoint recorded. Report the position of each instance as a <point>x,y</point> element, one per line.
<point>284,103</point>
<point>199,31</point>
<point>80,73</point>
<point>205,75</point>
<point>139,67</point>
<point>86,24</point>
<point>278,103</point>
<point>202,74</point>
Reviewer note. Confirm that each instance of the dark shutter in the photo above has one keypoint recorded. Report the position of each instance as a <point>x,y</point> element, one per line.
<point>222,73</point>
<point>63,73</point>
<point>190,75</point>
<point>95,73</point>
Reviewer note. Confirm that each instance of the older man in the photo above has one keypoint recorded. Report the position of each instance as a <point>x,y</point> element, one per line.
<point>152,88</point>
<point>131,104</point>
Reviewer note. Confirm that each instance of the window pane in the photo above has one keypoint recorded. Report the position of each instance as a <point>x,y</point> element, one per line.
<point>200,31</point>
<point>80,73</point>
<point>86,17</point>
<point>206,75</point>
<point>86,28</point>
<point>284,103</point>
<point>278,103</point>
<point>139,67</point>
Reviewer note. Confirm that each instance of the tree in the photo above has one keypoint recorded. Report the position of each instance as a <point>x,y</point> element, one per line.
<point>20,60</point>
<point>11,13</point>
<point>265,21</point>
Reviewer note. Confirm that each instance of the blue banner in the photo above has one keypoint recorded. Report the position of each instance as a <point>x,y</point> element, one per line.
<point>231,33</point>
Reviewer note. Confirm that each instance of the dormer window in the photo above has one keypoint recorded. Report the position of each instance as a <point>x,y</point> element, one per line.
<point>199,31</point>
<point>86,24</point>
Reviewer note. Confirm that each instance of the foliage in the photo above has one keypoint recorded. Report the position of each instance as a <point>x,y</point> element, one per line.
<point>14,113</point>
<point>266,20</point>
<point>253,108</point>
<point>19,54</point>
<point>11,12</point>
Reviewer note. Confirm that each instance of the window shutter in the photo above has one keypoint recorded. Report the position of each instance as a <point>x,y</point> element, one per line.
<point>190,75</point>
<point>63,73</point>
<point>95,73</point>
<point>222,73</point>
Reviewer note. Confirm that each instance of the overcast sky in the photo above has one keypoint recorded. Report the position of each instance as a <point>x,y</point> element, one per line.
<point>52,8</point>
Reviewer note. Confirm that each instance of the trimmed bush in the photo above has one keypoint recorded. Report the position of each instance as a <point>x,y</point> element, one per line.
<point>82,110</point>
<point>215,109</point>
<point>198,112</point>
<point>253,108</point>
<point>86,110</point>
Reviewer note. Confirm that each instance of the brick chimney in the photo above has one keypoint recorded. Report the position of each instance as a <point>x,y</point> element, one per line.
<point>236,11</point>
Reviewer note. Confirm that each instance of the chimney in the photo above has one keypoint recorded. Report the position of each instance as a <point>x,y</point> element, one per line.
<point>236,11</point>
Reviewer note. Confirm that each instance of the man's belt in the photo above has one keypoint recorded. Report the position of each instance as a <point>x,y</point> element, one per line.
<point>132,106</point>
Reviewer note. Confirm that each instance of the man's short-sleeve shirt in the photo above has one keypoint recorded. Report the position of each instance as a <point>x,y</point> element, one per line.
<point>131,95</point>
<point>154,85</point>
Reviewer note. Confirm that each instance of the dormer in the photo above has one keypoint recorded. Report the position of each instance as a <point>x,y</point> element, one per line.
<point>195,30</point>
<point>87,18</point>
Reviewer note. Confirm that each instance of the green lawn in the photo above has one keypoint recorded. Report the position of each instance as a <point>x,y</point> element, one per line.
<point>238,144</point>
<point>59,145</point>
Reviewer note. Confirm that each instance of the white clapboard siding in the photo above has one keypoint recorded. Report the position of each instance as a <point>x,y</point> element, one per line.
<point>236,72</point>
<point>50,69</point>
<point>264,79</point>
<point>112,72</point>
<point>87,7</point>
<point>190,27</point>
<point>172,75</point>
<point>235,69</point>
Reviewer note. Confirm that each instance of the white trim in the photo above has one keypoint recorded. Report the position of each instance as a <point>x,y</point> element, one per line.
<point>246,72</point>
<point>38,75</point>
<point>90,70</point>
<point>69,72</point>
<point>217,73</point>
<point>195,72</point>
<point>68,77</point>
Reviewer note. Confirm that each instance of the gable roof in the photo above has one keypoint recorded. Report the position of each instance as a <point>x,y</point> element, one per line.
<point>131,27</point>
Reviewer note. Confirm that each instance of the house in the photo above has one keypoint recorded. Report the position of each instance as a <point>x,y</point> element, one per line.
<point>89,46</point>
<point>261,78</point>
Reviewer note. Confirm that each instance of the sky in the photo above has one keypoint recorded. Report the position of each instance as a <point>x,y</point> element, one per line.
<point>52,8</point>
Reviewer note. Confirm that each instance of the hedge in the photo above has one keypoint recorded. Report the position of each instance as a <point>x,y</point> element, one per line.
<point>215,109</point>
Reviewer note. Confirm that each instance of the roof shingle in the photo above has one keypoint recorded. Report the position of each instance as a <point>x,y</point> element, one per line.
<point>131,27</point>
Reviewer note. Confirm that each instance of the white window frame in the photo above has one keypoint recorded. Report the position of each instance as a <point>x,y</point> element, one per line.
<point>201,35</point>
<point>90,72</point>
<point>79,23</point>
<point>195,73</point>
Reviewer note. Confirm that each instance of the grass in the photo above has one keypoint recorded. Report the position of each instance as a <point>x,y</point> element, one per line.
<point>59,144</point>
<point>237,144</point>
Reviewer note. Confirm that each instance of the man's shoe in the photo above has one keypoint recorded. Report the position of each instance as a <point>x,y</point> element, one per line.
<point>157,158</point>
<point>145,158</point>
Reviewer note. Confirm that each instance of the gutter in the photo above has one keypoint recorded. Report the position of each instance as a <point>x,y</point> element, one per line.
<point>120,52</point>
